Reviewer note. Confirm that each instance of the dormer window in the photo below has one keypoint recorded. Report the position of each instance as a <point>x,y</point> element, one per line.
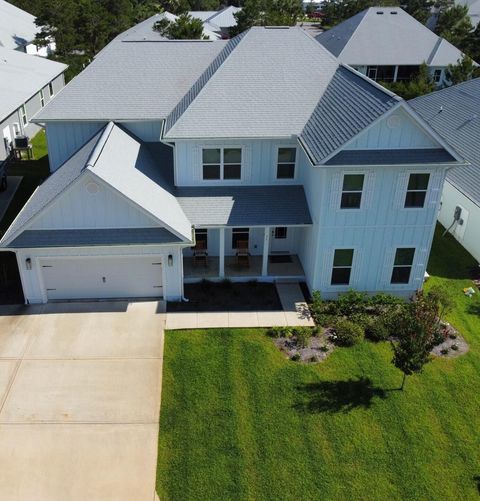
<point>221,163</point>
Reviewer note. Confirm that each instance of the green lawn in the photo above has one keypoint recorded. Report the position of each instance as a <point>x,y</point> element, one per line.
<point>33,172</point>
<point>238,421</point>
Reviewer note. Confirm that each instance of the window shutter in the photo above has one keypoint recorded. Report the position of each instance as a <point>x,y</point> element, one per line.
<point>327,267</point>
<point>335,193</point>
<point>419,267</point>
<point>435,188</point>
<point>197,163</point>
<point>401,190</point>
<point>246,163</point>
<point>356,268</point>
<point>368,190</point>
<point>387,267</point>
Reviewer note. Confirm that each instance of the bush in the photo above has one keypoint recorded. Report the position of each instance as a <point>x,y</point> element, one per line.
<point>347,333</point>
<point>454,347</point>
<point>303,335</point>
<point>361,319</point>
<point>377,330</point>
<point>351,302</point>
<point>226,284</point>
<point>277,332</point>
<point>295,357</point>
<point>324,348</point>
<point>444,351</point>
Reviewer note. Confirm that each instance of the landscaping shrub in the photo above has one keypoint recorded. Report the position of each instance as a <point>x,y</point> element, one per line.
<point>377,329</point>
<point>454,347</point>
<point>347,333</point>
<point>226,283</point>
<point>277,332</point>
<point>295,357</point>
<point>361,319</point>
<point>351,302</point>
<point>302,335</point>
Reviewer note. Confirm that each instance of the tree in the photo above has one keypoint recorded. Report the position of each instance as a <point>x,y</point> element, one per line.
<point>416,326</point>
<point>419,9</point>
<point>336,11</point>
<point>421,84</point>
<point>454,25</point>
<point>184,28</point>
<point>443,299</point>
<point>464,70</point>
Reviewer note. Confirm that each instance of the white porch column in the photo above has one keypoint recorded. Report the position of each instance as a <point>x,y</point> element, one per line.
<point>221,253</point>
<point>266,246</point>
<point>395,74</point>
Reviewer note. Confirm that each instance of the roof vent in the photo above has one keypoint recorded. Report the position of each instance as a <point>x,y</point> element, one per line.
<point>379,12</point>
<point>394,12</point>
<point>277,27</point>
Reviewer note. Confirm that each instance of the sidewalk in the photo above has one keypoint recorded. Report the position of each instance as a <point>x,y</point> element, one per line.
<point>295,313</point>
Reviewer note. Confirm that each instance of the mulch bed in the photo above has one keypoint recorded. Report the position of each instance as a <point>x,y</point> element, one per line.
<point>453,346</point>
<point>313,353</point>
<point>228,296</point>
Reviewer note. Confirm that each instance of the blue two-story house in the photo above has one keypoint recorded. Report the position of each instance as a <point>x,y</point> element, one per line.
<point>262,157</point>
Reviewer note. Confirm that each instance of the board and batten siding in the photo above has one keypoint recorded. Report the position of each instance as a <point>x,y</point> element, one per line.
<point>259,161</point>
<point>468,233</point>
<point>398,130</point>
<point>78,208</point>
<point>65,138</point>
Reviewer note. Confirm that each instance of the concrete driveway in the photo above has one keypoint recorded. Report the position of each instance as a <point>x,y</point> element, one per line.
<point>80,391</point>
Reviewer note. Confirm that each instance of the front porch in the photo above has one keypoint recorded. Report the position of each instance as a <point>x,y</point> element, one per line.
<point>233,270</point>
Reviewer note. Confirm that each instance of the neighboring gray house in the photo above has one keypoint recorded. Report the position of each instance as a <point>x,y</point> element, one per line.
<point>218,21</point>
<point>281,164</point>
<point>388,45</point>
<point>454,113</point>
<point>27,84</point>
<point>18,31</point>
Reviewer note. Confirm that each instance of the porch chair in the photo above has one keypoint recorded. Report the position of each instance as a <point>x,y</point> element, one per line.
<point>242,254</point>
<point>200,254</point>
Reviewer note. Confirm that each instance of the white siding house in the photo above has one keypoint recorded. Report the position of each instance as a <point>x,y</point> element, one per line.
<point>307,172</point>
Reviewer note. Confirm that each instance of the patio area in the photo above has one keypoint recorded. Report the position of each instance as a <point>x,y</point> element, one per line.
<point>291,267</point>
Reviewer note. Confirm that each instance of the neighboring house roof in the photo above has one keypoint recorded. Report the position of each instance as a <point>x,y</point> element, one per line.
<point>387,36</point>
<point>203,15</point>
<point>245,205</point>
<point>267,86</point>
<point>121,161</point>
<point>22,76</point>
<point>144,31</point>
<point>133,81</point>
<point>224,18</point>
<point>348,105</point>
<point>454,114</point>
<point>17,27</point>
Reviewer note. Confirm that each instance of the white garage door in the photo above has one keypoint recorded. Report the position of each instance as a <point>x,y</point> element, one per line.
<point>102,277</point>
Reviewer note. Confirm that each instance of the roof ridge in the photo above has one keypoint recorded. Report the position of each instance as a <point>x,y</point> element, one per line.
<point>201,82</point>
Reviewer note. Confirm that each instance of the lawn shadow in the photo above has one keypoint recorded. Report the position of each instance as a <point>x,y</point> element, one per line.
<point>474,309</point>
<point>476,479</point>
<point>338,396</point>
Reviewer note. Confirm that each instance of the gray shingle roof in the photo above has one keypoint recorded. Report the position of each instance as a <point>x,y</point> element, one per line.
<point>79,238</point>
<point>133,80</point>
<point>17,27</point>
<point>454,114</point>
<point>391,38</point>
<point>245,206</point>
<point>348,105</point>
<point>391,157</point>
<point>266,87</point>
<point>22,76</point>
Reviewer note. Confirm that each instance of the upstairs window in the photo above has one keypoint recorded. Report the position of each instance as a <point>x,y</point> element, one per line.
<point>437,76</point>
<point>42,99</point>
<point>222,163</point>
<point>342,266</point>
<point>352,191</point>
<point>286,163</point>
<point>416,190</point>
<point>50,89</point>
<point>402,266</point>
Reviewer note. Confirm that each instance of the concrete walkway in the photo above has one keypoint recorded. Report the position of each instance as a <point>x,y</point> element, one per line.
<point>80,387</point>
<point>7,196</point>
<point>295,313</point>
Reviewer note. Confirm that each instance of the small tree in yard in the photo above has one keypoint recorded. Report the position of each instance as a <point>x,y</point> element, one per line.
<point>416,328</point>
<point>184,28</point>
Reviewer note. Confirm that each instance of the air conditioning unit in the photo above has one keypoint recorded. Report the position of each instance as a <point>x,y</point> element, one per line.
<point>21,142</point>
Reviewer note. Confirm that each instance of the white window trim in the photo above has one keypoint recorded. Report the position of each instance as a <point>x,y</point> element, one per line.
<point>412,266</point>
<point>42,98</point>
<point>221,148</point>
<point>23,116</point>
<point>275,167</point>
<point>405,189</point>
<point>351,283</point>
<point>362,201</point>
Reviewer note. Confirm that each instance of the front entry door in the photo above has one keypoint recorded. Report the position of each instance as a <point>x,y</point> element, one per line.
<point>280,239</point>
